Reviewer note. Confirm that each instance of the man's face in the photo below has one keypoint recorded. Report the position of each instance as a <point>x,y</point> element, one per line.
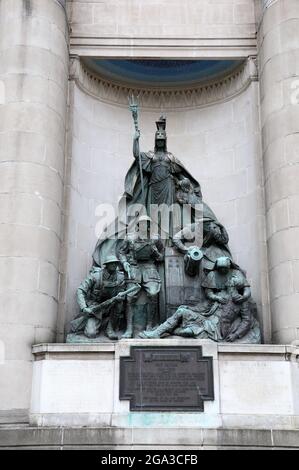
<point>215,229</point>
<point>143,230</point>
<point>223,270</point>
<point>186,185</point>
<point>111,267</point>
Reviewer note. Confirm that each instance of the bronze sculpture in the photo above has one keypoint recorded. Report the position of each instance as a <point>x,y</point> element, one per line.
<point>139,255</point>
<point>100,296</point>
<point>226,316</point>
<point>128,263</point>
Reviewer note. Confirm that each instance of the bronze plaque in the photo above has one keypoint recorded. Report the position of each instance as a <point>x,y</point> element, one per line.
<point>166,378</point>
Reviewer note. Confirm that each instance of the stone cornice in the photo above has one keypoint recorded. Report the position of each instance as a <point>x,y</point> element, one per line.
<point>201,95</point>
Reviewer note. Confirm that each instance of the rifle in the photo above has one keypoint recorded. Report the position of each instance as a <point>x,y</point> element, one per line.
<point>107,303</point>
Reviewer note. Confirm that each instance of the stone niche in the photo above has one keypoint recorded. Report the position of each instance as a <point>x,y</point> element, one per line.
<point>213,129</point>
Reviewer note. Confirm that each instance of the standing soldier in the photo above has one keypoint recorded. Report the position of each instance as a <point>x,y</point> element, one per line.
<point>139,255</point>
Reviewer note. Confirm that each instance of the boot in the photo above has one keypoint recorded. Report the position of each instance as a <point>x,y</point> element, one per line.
<point>166,327</point>
<point>129,330</point>
<point>151,312</point>
<point>110,331</point>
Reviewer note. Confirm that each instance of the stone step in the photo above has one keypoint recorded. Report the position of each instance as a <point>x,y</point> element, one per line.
<point>26,437</point>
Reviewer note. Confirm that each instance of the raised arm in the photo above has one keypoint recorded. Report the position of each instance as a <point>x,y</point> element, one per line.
<point>136,149</point>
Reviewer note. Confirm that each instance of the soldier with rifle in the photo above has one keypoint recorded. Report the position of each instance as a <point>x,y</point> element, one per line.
<point>102,294</point>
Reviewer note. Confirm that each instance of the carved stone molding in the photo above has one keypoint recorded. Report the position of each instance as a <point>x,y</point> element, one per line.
<point>201,95</point>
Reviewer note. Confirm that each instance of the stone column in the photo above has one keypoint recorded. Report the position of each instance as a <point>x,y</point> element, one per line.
<point>34,80</point>
<point>279,78</point>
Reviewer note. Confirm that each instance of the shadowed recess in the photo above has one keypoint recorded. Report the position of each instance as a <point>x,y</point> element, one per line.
<point>162,72</point>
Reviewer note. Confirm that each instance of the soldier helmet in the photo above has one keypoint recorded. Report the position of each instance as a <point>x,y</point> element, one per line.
<point>111,259</point>
<point>144,218</point>
<point>223,262</point>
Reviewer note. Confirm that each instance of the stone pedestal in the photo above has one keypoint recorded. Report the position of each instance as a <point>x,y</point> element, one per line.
<point>78,385</point>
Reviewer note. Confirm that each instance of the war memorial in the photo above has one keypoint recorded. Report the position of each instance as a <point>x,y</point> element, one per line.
<point>149,224</point>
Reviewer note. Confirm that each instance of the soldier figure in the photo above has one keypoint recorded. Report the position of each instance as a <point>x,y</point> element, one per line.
<point>102,285</point>
<point>139,255</point>
<point>226,316</point>
<point>209,236</point>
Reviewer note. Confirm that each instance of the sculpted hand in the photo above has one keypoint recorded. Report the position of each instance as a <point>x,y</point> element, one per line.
<point>221,299</point>
<point>238,298</point>
<point>231,338</point>
<point>120,297</point>
<point>127,268</point>
<point>87,310</point>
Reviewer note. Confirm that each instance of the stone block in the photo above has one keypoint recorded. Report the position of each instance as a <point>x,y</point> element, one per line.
<point>269,391</point>
<point>287,439</point>
<point>45,335</point>
<point>226,137</point>
<point>32,308</point>
<point>295,270</point>
<point>22,146</point>
<point>278,217</point>
<point>92,380</point>
<point>273,101</point>
<point>281,66</point>
<point>244,438</point>
<point>51,216</point>
<point>271,45</point>
<point>244,13</point>
<point>17,340</point>
<point>177,436</point>
<point>31,178</point>
<point>100,436</point>
<point>48,279</point>
<point>36,243</point>
<point>292,148</point>
<point>289,319</point>
<point>283,245</point>
<point>33,437</point>
<point>15,384</point>
<point>274,157</point>
<point>282,183</point>
<point>18,274</point>
<point>244,156</point>
<point>288,33</point>
<point>284,335</point>
<point>281,280</point>
<point>22,209</point>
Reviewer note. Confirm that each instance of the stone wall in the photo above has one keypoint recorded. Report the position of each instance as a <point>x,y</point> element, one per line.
<point>168,18</point>
<point>170,28</point>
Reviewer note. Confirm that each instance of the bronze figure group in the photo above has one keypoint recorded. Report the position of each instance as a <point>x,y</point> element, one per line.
<point>124,294</point>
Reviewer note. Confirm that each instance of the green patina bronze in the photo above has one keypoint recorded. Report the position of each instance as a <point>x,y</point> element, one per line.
<point>134,270</point>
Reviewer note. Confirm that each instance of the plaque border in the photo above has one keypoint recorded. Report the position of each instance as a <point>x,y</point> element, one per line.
<point>210,396</point>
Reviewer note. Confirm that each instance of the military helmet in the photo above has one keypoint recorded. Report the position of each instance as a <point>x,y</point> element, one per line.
<point>144,218</point>
<point>111,259</point>
<point>223,262</point>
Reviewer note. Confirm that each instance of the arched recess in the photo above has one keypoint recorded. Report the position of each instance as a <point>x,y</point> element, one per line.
<point>212,127</point>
